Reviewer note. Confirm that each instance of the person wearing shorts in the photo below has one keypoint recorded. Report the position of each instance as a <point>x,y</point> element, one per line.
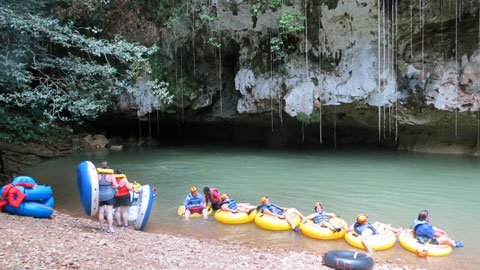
<point>122,198</point>
<point>194,203</point>
<point>106,195</point>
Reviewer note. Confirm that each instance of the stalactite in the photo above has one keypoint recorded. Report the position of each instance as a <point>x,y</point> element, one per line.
<point>411,29</point>
<point>320,123</point>
<point>149,126</point>
<point>396,67</point>
<point>193,39</point>
<point>478,125</point>
<point>384,121</point>
<point>379,57</point>
<point>334,127</point>
<point>389,122</point>
<point>181,85</point>
<point>456,65</point>
<point>139,132</point>
<point>271,110</point>
<point>306,38</point>
<point>384,37</point>
<point>303,134</point>
<point>422,29</point>
<point>158,125</point>
<point>280,114</point>
<point>220,77</point>
<point>379,123</point>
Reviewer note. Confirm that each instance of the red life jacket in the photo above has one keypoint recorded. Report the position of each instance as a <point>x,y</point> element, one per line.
<point>121,190</point>
<point>9,192</point>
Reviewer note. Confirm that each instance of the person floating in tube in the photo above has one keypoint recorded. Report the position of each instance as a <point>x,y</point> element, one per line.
<point>425,233</point>
<point>365,229</point>
<point>194,203</point>
<point>322,218</point>
<point>212,195</point>
<point>136,186</point>
<point>230,205</point>
<point>271,209</point>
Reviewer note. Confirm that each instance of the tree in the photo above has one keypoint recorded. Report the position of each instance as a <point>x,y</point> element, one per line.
<point>62,72</point>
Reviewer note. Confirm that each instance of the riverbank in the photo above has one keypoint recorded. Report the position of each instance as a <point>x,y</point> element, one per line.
<point>66,242</point>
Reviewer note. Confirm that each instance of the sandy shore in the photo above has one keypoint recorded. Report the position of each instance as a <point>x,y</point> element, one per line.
<point>64,242</point>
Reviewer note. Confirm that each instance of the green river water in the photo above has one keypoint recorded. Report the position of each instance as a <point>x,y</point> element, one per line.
<point>391,187</point>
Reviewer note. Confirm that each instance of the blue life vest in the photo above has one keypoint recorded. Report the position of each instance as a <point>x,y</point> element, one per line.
<point>360,228</point>
<point>193,201</point>
<point>319,217</point>
<point>424,239</point>
<point>272,208</point>
<point>232,204</point>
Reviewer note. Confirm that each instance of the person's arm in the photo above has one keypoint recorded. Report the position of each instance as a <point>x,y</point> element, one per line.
<point>439,231</point>
<point>203,201</point>
<point>127,184</point>
<point>206,199</point>
<point>267,212</point>
<point>113,180</point>
<point>311,216</point>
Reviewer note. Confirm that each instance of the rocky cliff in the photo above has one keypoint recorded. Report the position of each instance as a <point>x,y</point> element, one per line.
<point>403,74</point>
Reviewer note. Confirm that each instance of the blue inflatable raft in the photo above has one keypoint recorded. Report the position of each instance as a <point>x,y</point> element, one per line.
<point>87,182</point>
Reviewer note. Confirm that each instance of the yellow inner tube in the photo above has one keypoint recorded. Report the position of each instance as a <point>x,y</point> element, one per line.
<point>275,223</point>
<point>310,229</point>
<point>120,176</point>
<point>181,208</point>
<point>234,218</point>
<point>100,170</point>
<point>410,243</point>
<point>381,241</point>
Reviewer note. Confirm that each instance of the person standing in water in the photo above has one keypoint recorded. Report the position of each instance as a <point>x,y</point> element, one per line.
<point>212,195</point>
<point>106,195</point>
<point>122,198</point>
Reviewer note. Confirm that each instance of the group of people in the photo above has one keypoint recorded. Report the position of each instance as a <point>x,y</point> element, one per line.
<point>114,192</point>
<point>423,231</point>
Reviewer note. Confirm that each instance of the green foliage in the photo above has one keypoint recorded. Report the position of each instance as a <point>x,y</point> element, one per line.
<point>64,72</point>
<point>291,21</point>
<point>303,118</point>
<point>214,42</point>
<point>276,48</point>
<point>263,5</point>
<point>21,125</point>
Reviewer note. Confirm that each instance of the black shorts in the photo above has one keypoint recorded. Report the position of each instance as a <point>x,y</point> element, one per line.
<point>109,202</point>
<point>215,207</point>
<point>123,200</point>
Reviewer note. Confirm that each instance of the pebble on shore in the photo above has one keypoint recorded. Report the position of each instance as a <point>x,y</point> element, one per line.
<point>66,242</point>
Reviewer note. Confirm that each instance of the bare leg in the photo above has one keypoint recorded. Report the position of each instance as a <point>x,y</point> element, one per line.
<point>101,216</point>
<point>205,213</point>
<point>110,217</point>
<point>296,212</point>
<point>125,215</point>
<point>118,215</point>
<point>383,227</point>
<point>187,214</point>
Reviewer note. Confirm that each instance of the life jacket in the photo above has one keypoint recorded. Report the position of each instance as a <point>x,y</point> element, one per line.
<point>272,208</point>
<point>360,228</point>
<point>193,201</point>
<point>232,204</point>
<point>319,217</point>
<point>121,190</point>
<point>136,186</point>
<point>214,199</point>
<point>13,196</point>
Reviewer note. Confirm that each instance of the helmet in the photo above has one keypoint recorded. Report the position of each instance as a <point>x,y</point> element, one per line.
<point>362,217</point>
<point>223,197</point>
<point>317,205</point>
<point>194,190</point>
<point>263,199</point>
